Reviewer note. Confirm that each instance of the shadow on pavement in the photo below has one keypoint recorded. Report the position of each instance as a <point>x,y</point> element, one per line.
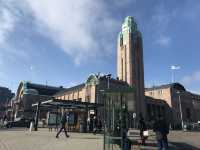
<point>172,146</point>
<point>182,146</point>
<point>14,129</point>
<point>85,137</point>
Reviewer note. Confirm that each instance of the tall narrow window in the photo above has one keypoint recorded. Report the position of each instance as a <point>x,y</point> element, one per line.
<point>122,62</point>
<point>121,40</point>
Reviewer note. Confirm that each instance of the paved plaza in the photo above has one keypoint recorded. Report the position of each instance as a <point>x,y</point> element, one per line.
<point>20,139</point>
<point>178,140</point>
<point>44,140</point>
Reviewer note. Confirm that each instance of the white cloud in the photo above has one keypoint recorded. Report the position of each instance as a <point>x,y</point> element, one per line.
<point>193,78</point>
<point>9,16</point>
<point>163,41</point>
<point>74,25</point>
<point>191,14</point>
<point>161,20</point>
<point>7,24</point>
<point>81,28</point>
<point>31,68</point>
<point>163,16</point>
<point>2,74</point>
<point>1,62</point>
<point>120,3</point>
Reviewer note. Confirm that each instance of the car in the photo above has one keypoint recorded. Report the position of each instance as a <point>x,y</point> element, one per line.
<point>22,122</point>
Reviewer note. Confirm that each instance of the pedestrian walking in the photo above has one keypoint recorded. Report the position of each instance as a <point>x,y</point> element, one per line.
<point>91,125</point>
<point>50,128</point>
<point>88,125</point>
<point>161,128</point>
<point>143,128</point>
<point>63,127</point>
<point>95,125</point>
<point>99,125</point>
<point>5,119</point>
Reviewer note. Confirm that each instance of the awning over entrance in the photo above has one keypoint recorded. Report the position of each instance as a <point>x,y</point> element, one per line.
<point>70,104</point>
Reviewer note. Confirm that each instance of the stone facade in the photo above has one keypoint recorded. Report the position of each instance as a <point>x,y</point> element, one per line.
<point>74,93</point>
<point>28,94</point>
<point>5,97</point>
<point>93,91</point>
<point>130,66</point>
<point>176,96</point>
<point>156,107</point>
<point>160,94</point>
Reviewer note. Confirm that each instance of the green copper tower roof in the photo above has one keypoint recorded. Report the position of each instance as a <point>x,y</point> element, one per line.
<point>129,25</point>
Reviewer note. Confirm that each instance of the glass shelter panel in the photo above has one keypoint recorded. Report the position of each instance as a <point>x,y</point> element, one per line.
<point>115,121</point>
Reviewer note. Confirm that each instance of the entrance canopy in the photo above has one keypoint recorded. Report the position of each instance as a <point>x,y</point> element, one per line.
<point>70,104</point>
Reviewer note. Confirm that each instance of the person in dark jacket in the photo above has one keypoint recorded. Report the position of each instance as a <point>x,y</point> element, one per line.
<point>95,125</point>
<point>4,118</point>
<point>142,127</point>
<point>161,128</point>
<point>63,123</point>
<point>99,125</point>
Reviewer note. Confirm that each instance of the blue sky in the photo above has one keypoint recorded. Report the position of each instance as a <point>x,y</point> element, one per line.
<point>62,42</point>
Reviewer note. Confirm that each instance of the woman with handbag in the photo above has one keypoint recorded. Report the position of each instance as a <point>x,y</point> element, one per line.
<point>143,128</point>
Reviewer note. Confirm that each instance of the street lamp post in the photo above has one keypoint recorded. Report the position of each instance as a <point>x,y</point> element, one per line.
<point>180,109</point>
<point>104,117</point>
<point>108,76</point>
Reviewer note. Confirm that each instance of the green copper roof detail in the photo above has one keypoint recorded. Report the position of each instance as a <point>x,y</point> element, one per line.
<point>129,25</point>
<point>92,80</point>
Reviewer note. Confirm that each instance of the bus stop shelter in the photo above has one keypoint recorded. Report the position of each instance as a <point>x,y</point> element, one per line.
<point>116,114</point>
<point>65,104</point>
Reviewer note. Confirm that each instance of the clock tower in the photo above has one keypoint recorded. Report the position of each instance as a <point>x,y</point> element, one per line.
<point>130,66</point>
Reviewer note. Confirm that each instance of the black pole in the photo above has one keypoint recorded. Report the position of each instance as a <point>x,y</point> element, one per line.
<point>37,116</point>
<point>56,118</point>
<point>104,116</point>
<point>85,119</point>
<point>121,113</point>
